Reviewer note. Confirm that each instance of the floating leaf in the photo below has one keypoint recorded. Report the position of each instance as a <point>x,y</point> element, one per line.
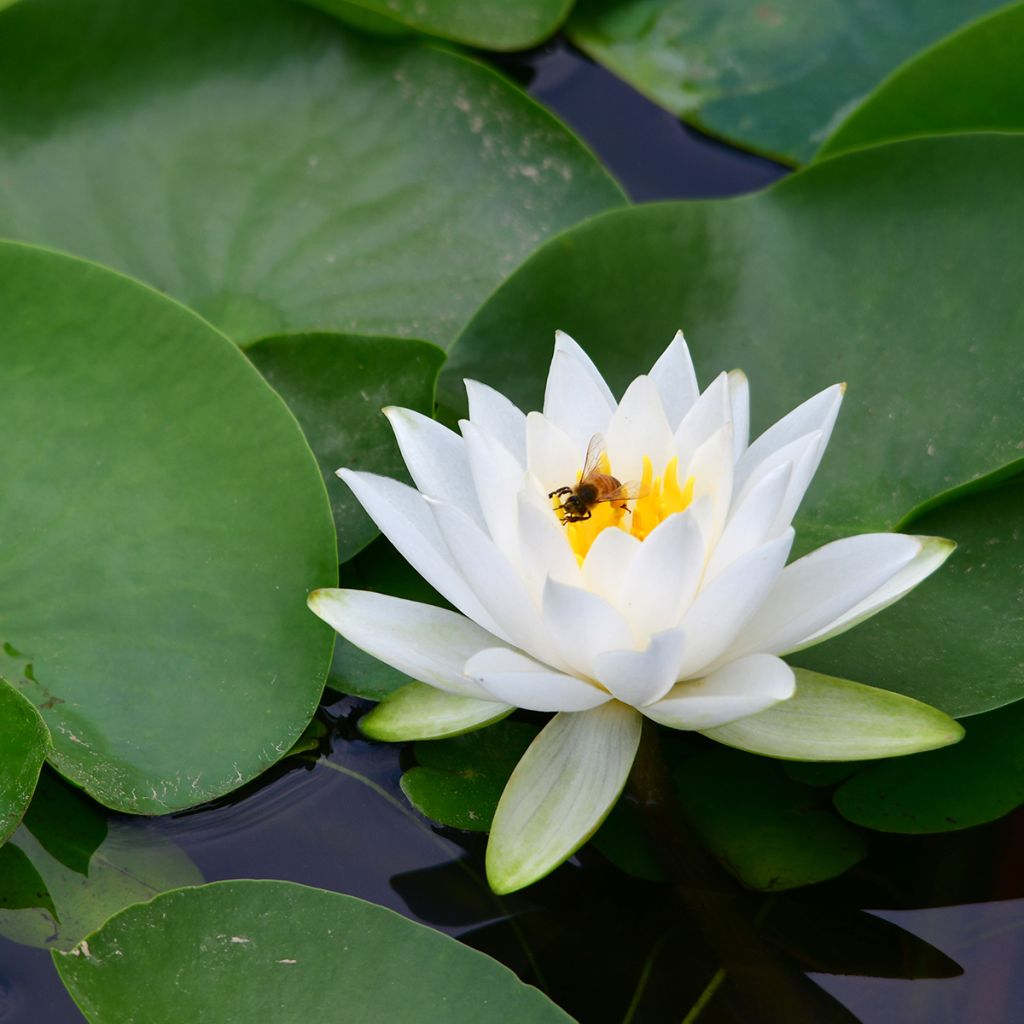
<point>67,824</point>
<point>24,742</point>
<point>978,780</point>
<point>769,831</point>
<point>771,76</point>
<point>968,82</point>
<point>264,950</point>
<point>490,24</point>
<point>163,523</point>
<point>458,781</point>
<point>890,268</point>
<point>958,640</point>
<point>337,384</point>
<point>275,171</point>
<point>21,886</point>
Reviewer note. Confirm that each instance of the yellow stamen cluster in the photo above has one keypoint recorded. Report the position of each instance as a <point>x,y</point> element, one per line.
<point>657,497</point>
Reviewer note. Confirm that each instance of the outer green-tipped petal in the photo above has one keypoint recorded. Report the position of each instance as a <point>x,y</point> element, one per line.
<point>560,792</point>
<point>833,719</point>
<point>419,712</point>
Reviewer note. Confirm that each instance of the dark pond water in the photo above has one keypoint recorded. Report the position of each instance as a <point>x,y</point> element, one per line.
<point>607,947</point>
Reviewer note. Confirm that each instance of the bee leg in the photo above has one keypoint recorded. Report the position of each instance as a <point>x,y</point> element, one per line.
<point>560,491</point>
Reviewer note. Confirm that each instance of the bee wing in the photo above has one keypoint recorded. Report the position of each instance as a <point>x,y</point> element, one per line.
<point>627,492</point>
<point>592,462</point>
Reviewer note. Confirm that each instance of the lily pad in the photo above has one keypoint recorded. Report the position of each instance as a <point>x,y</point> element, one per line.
<point>968,82</point>
<point>978,780</point>
<point>458,781</point>
<point>957,641</point>
<point>235,952</point>
<point>130,866</point>
<point>490,24</point>
<point>890,268</point>
<point>769,831</point>
<point>774,77</point>
<point>163,523</point>
<point>231,162</point>
<point>24,742</point>
<point>337,384</point>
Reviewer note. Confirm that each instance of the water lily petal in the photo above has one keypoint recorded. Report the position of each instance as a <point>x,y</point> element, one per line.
<point>638,428</point>
<point>831,719</point>
<point>419,712</point>
<point>640,677</point>
<point>493,413</point>
<point>551,457</point>
<point>708,415</point>
<point>575,399</point>
<point>739,400</point>
<point>817,414</point>
<point>934,551</point>
<point>663,577</point>
<point>496,584</point>
<point>403,516</point>
<point>566,346</point>
<point>676,380</point>
<point>427,643</point>
<point>712,471</point>
<point>583,625</point>
<point>560,792</point>
<point>435,457</point>
<point>823,586</point>
<point>513,677</point>
<point>741,688</point>
<point>607,563</point>
<point>751,519</point>
<point>722,608</point>
<point>543,548</point>
<point>498,479</point>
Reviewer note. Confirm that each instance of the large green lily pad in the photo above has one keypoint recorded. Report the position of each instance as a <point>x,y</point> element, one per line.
<point>163,520</point>
<point>979,780</point>
<point>968,82</point>
<point>275,171</point>
<point>892,268</point>
<point>24,741</point>
<point>773,76</point>
<point>235,952</point>
<point>490,24</point>
<point>337,384</point>
<point>957,641</point>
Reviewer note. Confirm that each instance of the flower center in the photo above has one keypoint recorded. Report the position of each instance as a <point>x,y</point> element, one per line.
<point>638,512</point>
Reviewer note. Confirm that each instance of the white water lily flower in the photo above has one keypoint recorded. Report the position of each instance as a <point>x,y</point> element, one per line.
<point>672,602</point>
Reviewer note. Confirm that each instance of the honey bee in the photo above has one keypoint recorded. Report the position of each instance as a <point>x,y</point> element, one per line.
<point>594,487</point>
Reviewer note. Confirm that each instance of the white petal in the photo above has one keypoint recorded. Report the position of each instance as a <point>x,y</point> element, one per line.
<point>574,401</point>
<point>663,577</point>
<point>498,479</point>
<point>676,380</point>
<point>831,719</point>
<point>419,712</point>
<point>435,457</point>
<point>583,625</point>
<point>553,459</point>
<point>639,677</point>
<point>608,561</point>
<point>739,399</point>
<point>751,519</point>
<point>402,515</point>
<point>934,551</point>
<point>712,468</point>
<point>544,549</point>
<point>560,792</point>
<point>711,413</point>
<point>817,414</point>
<point>566,346</point>
<point>512,677</point>
<point>638,427</point>
<point>496,584</point>
<point>734,691</point>
<point>823,586</point>
<point>427,643</point>
<point>493,413</point>
<point>723,607</point>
